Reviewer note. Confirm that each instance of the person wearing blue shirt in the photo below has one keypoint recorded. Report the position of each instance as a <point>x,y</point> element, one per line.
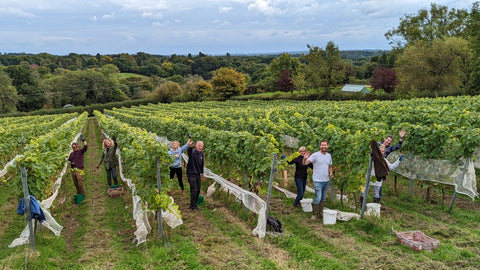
<point>176,165</point>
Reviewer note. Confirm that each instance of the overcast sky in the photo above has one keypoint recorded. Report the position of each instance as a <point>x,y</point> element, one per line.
<point>212,27</point>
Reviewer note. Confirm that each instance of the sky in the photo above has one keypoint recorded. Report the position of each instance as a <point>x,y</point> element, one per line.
<point>213,27</point>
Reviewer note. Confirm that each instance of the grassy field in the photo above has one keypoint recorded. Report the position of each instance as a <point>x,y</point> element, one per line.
<point>98,233</point>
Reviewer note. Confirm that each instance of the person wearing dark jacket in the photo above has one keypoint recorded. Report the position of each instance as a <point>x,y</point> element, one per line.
<point>381,167</point>
<point>195,171</point>
<point>110,160</point>
<point>300,175</point>
<point>388,143</point>
<point>76,159</point>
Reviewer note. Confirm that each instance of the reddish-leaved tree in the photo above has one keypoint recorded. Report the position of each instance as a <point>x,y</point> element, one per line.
<point>383,78</point>
<point>286,83</point>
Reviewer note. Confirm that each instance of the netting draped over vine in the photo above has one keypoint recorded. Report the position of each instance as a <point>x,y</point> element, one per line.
<point>252,201</point>
<point>460,173</point>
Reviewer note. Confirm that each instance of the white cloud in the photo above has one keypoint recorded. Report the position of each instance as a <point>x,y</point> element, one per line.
<point>155,15</point>
<point>93,18</point>
<point>15,12</point>
<point>224,9</point>
<point>265,7</point>
<point>108,16</point>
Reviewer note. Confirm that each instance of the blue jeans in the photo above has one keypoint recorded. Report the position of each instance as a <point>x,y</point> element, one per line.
<point>321,189</point>
<point>112,173</point>
<point>301,184</point>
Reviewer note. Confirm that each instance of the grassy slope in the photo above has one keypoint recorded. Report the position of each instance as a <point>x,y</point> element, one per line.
<point>98,233</point>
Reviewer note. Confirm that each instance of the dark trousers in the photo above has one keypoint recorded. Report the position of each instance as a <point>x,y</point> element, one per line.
<point>178,172</point>
<point>194,181</point>
<point>112,173</point>
<point>301,184</point>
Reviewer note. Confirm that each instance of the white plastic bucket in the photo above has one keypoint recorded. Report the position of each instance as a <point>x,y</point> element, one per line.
<point>329,217</point>
<point>373,209</point>
<point>345,198</point>
<point>306,205</point>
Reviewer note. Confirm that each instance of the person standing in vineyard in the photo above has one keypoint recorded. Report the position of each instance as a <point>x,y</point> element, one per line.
<point>377,186</point>
<point>388,143</point>
<point>195,171</point>
<point>176,165</point>
<point>76,159</point>
<point>322,173</point>
<point>389,148</point>
<point>300,174</point>
<point>110,160</point>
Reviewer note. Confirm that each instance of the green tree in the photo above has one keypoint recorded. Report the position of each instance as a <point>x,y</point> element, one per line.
<point>125,62</point>
<point>428,25</point>
<point>473,31</point>
<point>284,62</point>
<point>439,66</point>
<point>166,91</point>
<point>324,68</point>
<point>8,94</point>
<point>26,82</point>
<point>197,89</point>
<point>227,83</point>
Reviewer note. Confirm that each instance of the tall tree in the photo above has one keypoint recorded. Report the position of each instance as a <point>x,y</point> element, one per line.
<point>8,94</point>
<point>428,25</point>
<point>439,66</point>
<point>473,31</point>
<point>26,81</point>
<point>325,68</point>
<point>284,62</point>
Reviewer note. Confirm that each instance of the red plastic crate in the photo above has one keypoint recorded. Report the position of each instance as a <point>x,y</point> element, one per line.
<point>115,192</point>
<point>417,240</point>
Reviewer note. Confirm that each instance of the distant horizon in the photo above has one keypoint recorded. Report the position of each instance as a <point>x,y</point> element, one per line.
<point>213,27</point>
<point>235,54</point>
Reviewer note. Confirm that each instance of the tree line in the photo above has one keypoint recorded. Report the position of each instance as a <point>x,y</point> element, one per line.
<point>435,50</point>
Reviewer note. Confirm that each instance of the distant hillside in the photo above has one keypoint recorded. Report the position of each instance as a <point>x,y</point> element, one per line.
<point>348,54</point>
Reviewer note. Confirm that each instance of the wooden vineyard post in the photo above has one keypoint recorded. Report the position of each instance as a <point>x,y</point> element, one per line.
<point>270,183</point>
<point>159,186</point>
<point>27,205</point>
<point>285,178</point>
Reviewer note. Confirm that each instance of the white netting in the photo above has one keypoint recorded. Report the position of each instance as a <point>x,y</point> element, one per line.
<point>476,159</point>
<point>252,201</point>
<point>290,141</point>
<point>287,193</point>
<point>140,208</point>
<point>45,205</point>
<point>9,164</point>
<point>460,174</point>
